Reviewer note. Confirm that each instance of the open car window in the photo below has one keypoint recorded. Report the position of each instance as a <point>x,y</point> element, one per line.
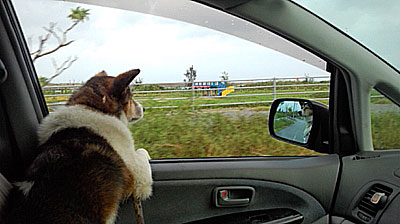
<point>206,84</point>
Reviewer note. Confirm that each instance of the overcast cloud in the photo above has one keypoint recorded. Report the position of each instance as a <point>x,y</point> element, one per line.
<point>117,40</point>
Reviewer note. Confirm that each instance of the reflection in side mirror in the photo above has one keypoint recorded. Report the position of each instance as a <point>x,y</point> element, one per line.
<point>293,120</point>
<point>300,122</point>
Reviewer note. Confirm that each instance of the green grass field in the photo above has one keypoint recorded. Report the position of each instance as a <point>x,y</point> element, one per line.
<point>185,134</point>
<point>208,132</point>
<point>386,130</point>
<point>195,134</point>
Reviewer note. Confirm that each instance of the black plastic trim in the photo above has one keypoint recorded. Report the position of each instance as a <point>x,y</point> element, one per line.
<point>3,72</point>
<point>13,28</point>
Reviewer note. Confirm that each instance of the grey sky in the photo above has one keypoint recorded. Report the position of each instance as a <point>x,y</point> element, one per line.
<point>117,40</point>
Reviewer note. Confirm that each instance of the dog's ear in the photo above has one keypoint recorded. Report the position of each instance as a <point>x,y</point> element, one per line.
<point>122,81</point>
<point>102,73</point>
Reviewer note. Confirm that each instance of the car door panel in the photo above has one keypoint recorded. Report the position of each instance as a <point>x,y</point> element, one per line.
<point>193,200</point>
<point>184,191</point>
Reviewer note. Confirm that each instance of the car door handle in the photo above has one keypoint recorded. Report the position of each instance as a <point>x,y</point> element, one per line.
<point>233,196</point>
<point>231,201</point>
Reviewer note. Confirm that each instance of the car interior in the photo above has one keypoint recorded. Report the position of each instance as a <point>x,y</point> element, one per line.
<point>352,183</point>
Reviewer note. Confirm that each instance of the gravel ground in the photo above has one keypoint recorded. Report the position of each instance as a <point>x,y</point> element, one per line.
<point>381,108</point>
<point>234,113</point>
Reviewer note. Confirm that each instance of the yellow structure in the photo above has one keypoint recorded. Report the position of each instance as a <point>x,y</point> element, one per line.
<point>228,90</point>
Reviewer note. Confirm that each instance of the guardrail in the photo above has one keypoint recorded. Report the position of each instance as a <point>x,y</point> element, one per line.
<point>246,92</point>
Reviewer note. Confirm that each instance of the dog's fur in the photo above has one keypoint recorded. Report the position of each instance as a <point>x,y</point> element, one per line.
<point>307,113</point>
<point>306,110</point>
<point>86,163</point>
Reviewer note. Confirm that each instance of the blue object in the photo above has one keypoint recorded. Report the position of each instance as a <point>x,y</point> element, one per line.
<point>205,85</point>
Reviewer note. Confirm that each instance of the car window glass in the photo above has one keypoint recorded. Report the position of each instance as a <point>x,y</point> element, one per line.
<point>385,122</point>
<point>373,24</point>
<point>207,93</point>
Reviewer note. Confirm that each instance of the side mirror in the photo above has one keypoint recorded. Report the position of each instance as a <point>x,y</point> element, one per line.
<point>300,122</point>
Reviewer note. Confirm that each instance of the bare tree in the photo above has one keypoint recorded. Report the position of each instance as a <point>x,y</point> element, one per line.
<point>224,76</point>
<point>190,75</point>
<point>138,80</point>
<point>77,16</point>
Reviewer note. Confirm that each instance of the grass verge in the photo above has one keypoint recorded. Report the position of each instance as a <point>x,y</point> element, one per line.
<point>385,130</point>
<point>192,135</point>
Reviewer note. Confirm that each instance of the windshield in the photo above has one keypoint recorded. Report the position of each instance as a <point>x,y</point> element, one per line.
<point>375,24</point>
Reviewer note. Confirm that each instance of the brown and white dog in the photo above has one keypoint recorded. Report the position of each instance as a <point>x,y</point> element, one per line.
<point>86,163</point>
<point>307,113</point>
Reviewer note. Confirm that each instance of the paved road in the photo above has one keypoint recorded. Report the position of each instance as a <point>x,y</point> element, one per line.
<point>294,132</point>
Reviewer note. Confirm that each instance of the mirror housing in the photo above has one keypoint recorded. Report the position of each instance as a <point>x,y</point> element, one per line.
<point>300,122</point>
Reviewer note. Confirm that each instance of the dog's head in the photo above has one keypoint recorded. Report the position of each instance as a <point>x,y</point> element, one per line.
<point>110,95</point>
<point>306,110</point>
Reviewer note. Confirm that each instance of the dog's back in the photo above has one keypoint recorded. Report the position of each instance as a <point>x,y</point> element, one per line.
<point>86,161</point>
<point>78,176</point>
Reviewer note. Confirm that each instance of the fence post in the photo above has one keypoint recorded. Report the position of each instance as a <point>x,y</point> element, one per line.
<point>274,88</point>
<point>192,98</point>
